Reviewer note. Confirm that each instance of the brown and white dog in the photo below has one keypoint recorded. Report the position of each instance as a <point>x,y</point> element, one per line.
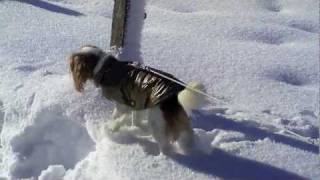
<point>134,89</point>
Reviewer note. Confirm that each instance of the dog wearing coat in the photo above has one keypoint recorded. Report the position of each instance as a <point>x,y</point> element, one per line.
<point>133,88</point>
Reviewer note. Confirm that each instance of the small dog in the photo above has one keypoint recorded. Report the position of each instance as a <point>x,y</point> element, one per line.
<point>133,88</point>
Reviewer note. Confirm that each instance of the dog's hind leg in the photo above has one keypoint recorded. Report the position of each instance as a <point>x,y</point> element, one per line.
<point>186,138</point>
<point>178,124</point>
<point>158,128</point>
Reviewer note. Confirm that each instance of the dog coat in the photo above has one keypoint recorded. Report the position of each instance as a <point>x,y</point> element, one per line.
<point>132,85</point>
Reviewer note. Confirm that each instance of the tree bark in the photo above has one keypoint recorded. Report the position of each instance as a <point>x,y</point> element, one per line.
<point>119,22</point>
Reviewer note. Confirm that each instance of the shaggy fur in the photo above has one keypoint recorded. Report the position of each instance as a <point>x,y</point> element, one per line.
<point>168,121</point>
<point>82,64</point>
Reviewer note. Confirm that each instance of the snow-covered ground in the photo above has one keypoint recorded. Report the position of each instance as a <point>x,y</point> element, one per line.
<point>262,55</point>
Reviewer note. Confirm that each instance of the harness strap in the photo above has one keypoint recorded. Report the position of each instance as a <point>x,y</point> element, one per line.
<point>166,76</point>
<point>100,63</point>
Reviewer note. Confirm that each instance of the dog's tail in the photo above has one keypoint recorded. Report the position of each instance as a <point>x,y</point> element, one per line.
<point>190,99</point>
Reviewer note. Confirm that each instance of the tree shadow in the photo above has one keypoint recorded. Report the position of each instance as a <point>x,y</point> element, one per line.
<point>227,166</point>
<point>51,7</point>
<point>209,121</point>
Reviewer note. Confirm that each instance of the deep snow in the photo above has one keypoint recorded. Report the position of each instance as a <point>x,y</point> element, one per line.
<point>262,55</point>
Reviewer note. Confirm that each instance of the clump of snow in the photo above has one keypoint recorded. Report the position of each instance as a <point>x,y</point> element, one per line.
<point>300,126</point>
<point>55,172</point>
<point>52,139</point>
<point>225,137</point>
<point>110,161</point>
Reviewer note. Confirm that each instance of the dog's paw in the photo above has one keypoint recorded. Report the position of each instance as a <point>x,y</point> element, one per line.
<point>167,150</point>
<point>114,126</point>
<point>144,128</point>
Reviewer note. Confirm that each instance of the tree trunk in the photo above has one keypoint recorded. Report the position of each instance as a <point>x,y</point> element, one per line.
<point>120,12</point>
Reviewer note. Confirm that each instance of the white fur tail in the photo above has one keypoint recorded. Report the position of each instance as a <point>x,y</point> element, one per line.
<point>190,99</point>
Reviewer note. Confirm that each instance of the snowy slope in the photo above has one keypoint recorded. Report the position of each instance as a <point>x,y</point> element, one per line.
<point>262,55</point>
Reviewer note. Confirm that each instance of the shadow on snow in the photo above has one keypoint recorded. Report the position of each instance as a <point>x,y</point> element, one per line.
<point>219,163</point>
<point>227,166</point>
<point>51,7</point>
<point>209,121</point>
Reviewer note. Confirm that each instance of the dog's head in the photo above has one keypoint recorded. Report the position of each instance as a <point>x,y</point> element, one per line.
<point>82,64</point>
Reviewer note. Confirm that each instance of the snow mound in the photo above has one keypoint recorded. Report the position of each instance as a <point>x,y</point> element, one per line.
<point>52,139</point>
<point>110,161</point>
<point>55,172</point>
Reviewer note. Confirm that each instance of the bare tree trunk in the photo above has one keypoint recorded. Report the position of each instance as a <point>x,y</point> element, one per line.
<point>127,25</point>
<point>120,12</point>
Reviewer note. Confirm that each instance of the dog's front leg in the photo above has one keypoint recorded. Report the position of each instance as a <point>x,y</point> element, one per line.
<point>137,119</point>
<point>119,110</point>
<point>122,115</point>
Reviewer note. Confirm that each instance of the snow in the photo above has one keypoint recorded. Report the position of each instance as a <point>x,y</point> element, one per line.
<point>261,55</point>
<point>55,172</point>
<point>45,143</point>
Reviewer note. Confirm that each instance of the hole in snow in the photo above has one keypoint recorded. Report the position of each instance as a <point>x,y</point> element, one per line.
<point>26,68</point>
<point>272,5</point>
<point>289,77</point>
<point>266,35</point>
<point>304,25</point>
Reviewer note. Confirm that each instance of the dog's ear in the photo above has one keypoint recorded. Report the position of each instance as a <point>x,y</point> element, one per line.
<point>81,67</point>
